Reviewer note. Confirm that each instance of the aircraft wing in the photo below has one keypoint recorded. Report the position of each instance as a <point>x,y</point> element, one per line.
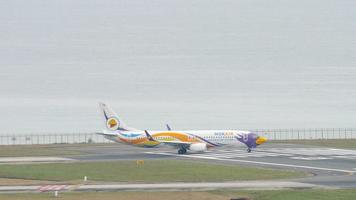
<point>173,143</point>
<point>177,144</point>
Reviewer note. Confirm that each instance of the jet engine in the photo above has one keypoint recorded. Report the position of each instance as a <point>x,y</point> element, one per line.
<point>198,147</point>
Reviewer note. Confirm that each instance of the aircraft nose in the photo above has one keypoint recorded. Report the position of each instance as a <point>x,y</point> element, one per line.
<point>261,140</point>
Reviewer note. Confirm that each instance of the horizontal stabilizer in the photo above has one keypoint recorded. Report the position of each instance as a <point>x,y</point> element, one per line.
<point>106,134</point>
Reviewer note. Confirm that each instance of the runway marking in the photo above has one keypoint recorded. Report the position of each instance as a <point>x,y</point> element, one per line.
<point>266,185</point>
<point>311,151</point>
<point>46,188</point>
<point>33,159</point>
<point>311,158</point>
<point>308,154</point>
<point>258,162</point>
<point>346,157</point>
<point>245,154</point>
<point>295,152</point>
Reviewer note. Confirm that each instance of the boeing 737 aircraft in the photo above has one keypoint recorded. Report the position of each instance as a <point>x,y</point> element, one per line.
<point>192,140</point>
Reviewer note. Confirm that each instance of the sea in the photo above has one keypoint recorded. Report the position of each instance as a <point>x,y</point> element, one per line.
<point>194,64</point>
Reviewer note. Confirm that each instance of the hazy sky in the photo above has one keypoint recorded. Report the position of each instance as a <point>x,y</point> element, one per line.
<point>195,64</point>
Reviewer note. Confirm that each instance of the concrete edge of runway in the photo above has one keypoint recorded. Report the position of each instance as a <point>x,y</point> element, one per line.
<point>248,185</point>
<point>35,160</point>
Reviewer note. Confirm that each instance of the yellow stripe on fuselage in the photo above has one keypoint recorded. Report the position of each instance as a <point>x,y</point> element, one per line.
<point>167,136</point>
<point>172,136</point>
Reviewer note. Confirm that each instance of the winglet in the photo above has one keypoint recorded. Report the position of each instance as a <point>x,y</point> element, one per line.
<point>150,138</point>
<point>168,127</point>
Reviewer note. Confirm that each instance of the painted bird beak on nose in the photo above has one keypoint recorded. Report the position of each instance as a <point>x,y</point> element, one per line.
<point>261,140</point>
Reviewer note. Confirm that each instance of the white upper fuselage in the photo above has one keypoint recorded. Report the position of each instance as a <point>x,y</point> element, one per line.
<point>193,140</point>
<point>209,137</point>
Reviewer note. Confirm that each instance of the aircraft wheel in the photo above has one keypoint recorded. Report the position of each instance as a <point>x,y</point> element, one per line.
<point>249,150</point>
<point>182,151</point>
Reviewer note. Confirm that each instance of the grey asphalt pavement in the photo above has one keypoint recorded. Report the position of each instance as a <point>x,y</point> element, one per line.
<point>328,167</point>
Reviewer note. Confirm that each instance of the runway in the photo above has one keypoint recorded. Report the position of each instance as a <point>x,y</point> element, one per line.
<point>322,160</point>
<point>335,160</point>
<point>39,159</point>
<point>265,185</point>
<point>329,167</point>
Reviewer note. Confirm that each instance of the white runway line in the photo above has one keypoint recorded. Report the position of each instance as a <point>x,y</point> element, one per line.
<point>227,153</point>
<point>240,184</point>
<point>313,151</point>
<point>158,186</point>
<point>33,159</point>
<point>266,155</point>
<point>312,158</point>
<point>257,162</point>
<point>239,154</point>
<point>244,155</point>
<point>345,157</point>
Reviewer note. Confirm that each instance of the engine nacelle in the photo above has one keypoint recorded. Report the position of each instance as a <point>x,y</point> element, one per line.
<point>198,147</point>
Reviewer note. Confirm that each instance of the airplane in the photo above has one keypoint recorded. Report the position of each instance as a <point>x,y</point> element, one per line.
<point>192,140</point>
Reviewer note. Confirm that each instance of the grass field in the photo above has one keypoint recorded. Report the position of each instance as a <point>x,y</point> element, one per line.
<point>308,194</point>
<point>77,149</point>
<point>40,150</point>
<point>208,195</point>
<point>49,149</point>
<point>333,143</point>
<point>151,171</point>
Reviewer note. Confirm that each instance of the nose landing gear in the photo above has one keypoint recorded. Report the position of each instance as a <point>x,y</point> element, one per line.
<point>249,150</point>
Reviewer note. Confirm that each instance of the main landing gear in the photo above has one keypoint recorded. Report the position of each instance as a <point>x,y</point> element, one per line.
<point>182,151</point>
<point>249,150</point>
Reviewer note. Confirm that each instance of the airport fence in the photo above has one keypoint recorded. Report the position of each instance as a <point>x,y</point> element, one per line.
<point>307,134</point>
<point>271,134</point>
<point>52,138</point>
